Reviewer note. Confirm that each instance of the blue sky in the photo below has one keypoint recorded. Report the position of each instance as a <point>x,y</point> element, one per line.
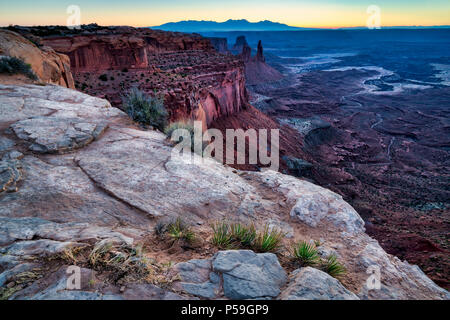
<point>306,13</point>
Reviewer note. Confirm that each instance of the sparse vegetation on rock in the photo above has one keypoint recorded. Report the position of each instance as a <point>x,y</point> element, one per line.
<point>145,109</point>
<point>176,231</point>
<point>305,254</point>
<point>13,65</point>
<point>237,235</point>
<point>333,267</point>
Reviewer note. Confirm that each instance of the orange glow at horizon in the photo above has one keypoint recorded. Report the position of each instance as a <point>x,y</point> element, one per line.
<point>296,14</point>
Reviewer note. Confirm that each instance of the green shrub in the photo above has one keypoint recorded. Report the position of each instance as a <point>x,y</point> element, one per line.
<point>333,267</point>
<point>13,65</point>
<point>103,77</point>
<point>305,254</point>
<point>145,109</point>
<point>268,240</point>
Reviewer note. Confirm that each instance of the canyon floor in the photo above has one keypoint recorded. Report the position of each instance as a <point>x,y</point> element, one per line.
<point>386,152</point>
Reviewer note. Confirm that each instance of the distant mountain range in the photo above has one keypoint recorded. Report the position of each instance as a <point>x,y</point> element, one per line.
<point>191,26</point>
<point>229,25</point>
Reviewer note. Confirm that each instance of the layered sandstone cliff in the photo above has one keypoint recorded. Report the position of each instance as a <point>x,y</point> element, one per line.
<point>196,81</point>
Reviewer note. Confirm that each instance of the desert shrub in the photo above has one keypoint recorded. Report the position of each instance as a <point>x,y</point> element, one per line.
<point>305,254</point>
<point>13,65</point>
<point>333,267</point>
<point>145,109</point>
<point>103,77</point>
<point>268,240</point>
<point>178,230</point>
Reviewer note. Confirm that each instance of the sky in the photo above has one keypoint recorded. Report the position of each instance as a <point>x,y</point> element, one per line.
<point>299,13</point>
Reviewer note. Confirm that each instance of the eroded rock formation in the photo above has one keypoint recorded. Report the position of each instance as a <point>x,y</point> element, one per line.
<point>257,71</point>
<point>49,66</point>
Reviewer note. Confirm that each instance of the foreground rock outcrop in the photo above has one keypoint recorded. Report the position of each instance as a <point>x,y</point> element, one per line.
<point>104,197</point>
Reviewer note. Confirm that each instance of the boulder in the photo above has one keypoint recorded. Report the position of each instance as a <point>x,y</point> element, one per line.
<point>198,279</point>
<point>312,284</point>
<point>248,275</point>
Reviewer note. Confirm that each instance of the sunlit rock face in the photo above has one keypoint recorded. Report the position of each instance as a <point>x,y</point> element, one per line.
<point>48,65</point>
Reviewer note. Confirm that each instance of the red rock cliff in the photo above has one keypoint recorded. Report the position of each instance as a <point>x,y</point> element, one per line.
<point>196,81</point>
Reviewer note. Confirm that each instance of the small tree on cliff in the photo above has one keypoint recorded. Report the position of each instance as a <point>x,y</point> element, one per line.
<point>145,109</point>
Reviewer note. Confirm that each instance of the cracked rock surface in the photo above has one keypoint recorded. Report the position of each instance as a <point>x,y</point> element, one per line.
<point>57,135</point>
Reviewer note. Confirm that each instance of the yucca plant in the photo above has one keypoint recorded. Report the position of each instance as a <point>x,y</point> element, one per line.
<point>178,230</point>
<point>305,254</point>
<point>268,240</point>
<point>222,235</point>
<point>333,267</point>
<point>243,234</point>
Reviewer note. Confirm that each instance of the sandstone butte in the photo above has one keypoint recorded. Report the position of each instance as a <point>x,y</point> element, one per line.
<point>80,180</point>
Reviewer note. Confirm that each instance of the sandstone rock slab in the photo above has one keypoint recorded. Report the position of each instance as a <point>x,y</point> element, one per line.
<point>57,134</point>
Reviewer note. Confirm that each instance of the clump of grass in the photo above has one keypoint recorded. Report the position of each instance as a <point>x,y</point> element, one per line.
<point>305,254</point>
<point>268,240</point>
<point>333,267</point>
<point>71,254</point>
<point>101,249</point>
<point>222,235</point>
<point>237,235</point>
<point>178,230</point>
<point>145,109</point>
<point>243,234</point>
<point>13,65</point>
